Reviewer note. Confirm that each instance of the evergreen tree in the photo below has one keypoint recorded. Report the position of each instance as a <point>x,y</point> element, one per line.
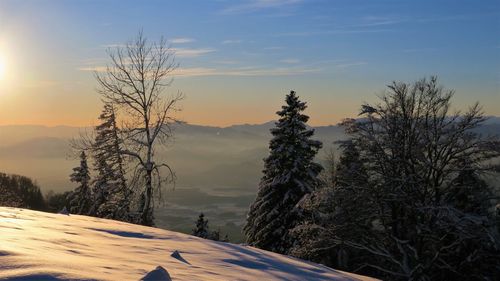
<point>421,214</point>
<point>289,174</point>
<point>350,170</point>
<point>201,229</point>
<point>22,192</point>
<point>335,211</point>
<point>111,194</point>
<point>81,198</point>
<point>469,192</point>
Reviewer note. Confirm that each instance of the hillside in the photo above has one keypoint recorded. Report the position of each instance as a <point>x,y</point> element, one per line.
<point>43,246</point>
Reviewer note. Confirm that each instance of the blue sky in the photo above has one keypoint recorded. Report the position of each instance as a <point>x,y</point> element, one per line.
<point>239,58</point>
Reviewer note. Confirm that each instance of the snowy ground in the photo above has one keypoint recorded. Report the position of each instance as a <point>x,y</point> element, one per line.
<point>43,246</point>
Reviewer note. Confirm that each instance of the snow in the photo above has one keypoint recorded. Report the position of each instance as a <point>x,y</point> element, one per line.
<point>44,246</point>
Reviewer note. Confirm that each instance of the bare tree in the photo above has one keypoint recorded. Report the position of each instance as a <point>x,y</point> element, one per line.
<point>135,82</point>
<point>409,201</point>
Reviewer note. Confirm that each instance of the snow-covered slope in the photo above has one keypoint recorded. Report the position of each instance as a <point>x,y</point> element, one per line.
<point>43,246</point>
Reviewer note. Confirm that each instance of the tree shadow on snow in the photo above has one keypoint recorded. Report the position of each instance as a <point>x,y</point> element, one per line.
<point>259,260</point>
<point>128,234</point>
<point>44,277</point>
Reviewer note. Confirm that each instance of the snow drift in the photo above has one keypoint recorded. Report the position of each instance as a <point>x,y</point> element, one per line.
<point>43,246</point>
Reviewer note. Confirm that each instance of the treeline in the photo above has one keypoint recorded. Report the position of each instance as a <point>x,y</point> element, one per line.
<point>405,200</point>
<point>21,192</point>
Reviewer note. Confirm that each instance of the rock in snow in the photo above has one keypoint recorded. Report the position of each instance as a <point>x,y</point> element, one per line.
<point>43,246</point>
<point>159,274</point>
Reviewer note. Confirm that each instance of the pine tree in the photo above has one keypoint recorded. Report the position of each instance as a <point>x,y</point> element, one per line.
<point>289,174</point>
<point>201,229</point>
<point>111,194</point>
<point>350,170</point>
<point>469,192</point>
<point>81,197</point>
<point>334,211</point>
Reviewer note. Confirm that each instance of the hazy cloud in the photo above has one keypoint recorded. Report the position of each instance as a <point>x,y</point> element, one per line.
<point>227,62</point>
<point>331,32</point>
<point>181,40</point>
<point>202,71</point>
<point>188,53</point>
<point>351,64</point>
<point>256,5</point>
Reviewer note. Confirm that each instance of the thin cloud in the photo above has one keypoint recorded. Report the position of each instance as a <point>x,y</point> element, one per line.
<point>93,68</point>
<point>352,64</point>
<point>181,40</point>
<point>373,21</point>
<point>242,71</point>
<point>190,53</point>
<point>202,71</point>
<point>256,5</point>
<point>226,62</point>
<point>113,46</point>
<point>331,32</point>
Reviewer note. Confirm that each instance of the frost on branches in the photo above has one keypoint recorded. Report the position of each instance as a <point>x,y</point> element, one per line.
<point>80,199</point>
<point>424,211</point>
<point>289,174</point>
<point>110,192</point>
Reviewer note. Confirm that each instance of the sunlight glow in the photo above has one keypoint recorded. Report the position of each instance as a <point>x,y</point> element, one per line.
<point>3,67</point>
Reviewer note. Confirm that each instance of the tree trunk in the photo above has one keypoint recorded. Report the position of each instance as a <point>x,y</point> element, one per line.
<point>146,218</point>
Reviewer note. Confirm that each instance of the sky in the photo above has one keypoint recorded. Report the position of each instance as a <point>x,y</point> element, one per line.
<point>239,58</point>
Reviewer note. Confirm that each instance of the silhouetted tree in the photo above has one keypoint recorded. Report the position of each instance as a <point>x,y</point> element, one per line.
<point>421,215</point>
<point>135,82</point>
<point>81,197</point>
<point>110,192</point>
<point>289,174</point>
<point>20,191</point>
<point>333,211</point>
<point>201,229</point>
<point>58,201</point>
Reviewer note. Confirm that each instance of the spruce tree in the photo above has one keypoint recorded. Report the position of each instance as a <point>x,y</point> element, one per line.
<point>111,194</point>
<point>334,211</point>
<point>289,174</point>
<point>81,197</point>
<point>350,170</point>
<point>469,192</point>
<point>201,229</point>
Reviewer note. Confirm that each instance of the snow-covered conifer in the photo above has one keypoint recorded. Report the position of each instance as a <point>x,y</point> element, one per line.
<point>111,194</point>
<point>289,174</point>
<point>81,197</point>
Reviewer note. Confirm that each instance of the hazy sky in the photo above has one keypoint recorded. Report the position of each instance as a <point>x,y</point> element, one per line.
<point>240,57</point>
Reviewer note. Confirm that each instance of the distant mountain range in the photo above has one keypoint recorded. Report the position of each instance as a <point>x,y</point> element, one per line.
<point>204,157</point>
<point>218,169</point>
